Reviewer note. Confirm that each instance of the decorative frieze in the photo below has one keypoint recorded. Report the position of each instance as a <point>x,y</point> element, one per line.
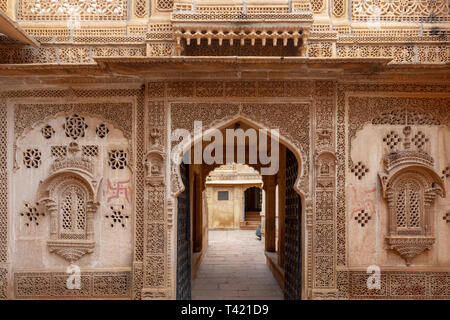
<point>395,285</point>
<point>52,285</point>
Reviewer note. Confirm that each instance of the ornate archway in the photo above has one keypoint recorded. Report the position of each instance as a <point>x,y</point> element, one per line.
<point>296,165</point>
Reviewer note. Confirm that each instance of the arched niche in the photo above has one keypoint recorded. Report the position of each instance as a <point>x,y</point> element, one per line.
<point>70,199</point>
<point>410,184</point>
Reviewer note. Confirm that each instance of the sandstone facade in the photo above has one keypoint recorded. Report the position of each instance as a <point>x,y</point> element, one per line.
<point>89,99</point>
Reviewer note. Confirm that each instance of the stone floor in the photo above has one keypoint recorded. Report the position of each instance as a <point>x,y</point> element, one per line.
<point>234,267</point>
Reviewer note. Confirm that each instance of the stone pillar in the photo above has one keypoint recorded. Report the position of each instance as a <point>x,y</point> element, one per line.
<point>237,203</point>
<point>92,208</point>
<point>269,187</point>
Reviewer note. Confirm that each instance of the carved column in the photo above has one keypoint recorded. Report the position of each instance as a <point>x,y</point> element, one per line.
<point>324,217</point>
<point>91,209</point>
<point>269,188</point>
<point>156,277</point>
<point>52,207</point>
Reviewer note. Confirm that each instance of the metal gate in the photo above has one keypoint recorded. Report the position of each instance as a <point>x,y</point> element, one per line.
<point>184,239</point>
<point>293,269</point>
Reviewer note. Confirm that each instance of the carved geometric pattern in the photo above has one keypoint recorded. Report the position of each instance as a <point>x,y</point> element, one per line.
<point>31,214</point>
<point>26,115</point>
<point>89,151</point>
<point>409,10</point>
<point>75,126</point>
<point>446,172</point>
<point>47,131</point>
<point>3,196</point>
<point>32,158</point>
<point>403,116</point>
<point>53,284</point>
<point>102,130</point>
<point>392,139</point>
<point>341,217</point>
<point>161,49</point>
<point>363,217</point>
<point>59,152</point>
<point>164,4</point>
<point>317,5</point>
<point>65,10</point>
<point>359,170</point>
<point>73,213</point>
<point>419,140</point>
<point>117,216</point>
<point>338,8</point>
<point>324,205</point>
<point>140,8</point>
<point>408,205</point>
<point>395,285</point>
<point>117,159</point>
<point>3,283</point>
<point>446,217</point>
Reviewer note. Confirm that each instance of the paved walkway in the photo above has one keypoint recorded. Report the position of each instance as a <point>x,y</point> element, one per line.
<point>234,267</point>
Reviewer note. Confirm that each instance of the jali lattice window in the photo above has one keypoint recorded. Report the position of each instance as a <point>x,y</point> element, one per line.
<point>75,126</point>
<point>117,159</point>
<point>32,158</point>
<point>72,213</point>
<point>409,207</point>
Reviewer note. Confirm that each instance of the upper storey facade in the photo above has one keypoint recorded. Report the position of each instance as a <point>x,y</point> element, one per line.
<point>69,31</point>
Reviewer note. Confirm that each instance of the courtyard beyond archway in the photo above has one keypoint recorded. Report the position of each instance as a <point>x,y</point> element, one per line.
<point>234,267</point>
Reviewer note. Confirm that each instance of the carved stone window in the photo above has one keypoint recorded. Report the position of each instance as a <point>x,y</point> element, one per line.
<point>89,151</point>
<point>409,207</point>
<point>164,4</point>
<point>58,152</point>
<point>117,159</point>
<point>69,199</point>
<point>75,126</point>
<point>32,158</point>
<point>47,131</point>
<point>72,213</point>
<point>102,130</point>
<point>410,185</point>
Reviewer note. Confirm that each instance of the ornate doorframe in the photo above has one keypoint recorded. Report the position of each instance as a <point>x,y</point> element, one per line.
<point>176,104</point>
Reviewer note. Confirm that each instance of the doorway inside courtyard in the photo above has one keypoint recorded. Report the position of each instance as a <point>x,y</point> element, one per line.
<point>238,231</point>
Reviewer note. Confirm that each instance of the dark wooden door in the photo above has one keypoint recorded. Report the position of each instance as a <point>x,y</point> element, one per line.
<point>293,236</point>
<point>184,239</point>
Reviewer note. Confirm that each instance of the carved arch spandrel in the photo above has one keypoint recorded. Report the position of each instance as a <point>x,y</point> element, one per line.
<point>288,136</point>
<point>365,108</point>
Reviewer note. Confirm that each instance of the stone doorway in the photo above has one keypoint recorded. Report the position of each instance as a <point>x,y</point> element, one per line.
<point>281,248</point>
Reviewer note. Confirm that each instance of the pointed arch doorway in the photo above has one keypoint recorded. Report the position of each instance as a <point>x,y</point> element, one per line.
<point>285,262</point>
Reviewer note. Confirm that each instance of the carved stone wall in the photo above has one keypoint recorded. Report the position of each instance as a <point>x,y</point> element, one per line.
<point>377,114</point>
<point>336,28</point>
<point>34,109</point>
<point>320,120</point>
